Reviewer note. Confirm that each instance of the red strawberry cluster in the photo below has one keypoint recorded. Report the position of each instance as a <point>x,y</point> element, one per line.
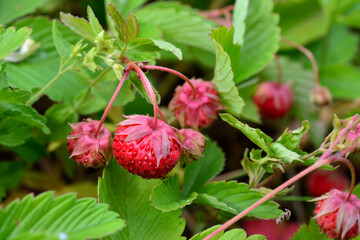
<point>147,146</point>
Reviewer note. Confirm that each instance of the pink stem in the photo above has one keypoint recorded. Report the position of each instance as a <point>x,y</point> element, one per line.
<point>308,54</point>
<point>267,197</point>
<point>126,73</point>
<point>148,89</point>
<point>321,162</point>
<point>151,67</point>
<point>342,133</point>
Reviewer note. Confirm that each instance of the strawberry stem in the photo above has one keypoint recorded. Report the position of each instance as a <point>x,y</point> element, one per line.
<point>148,88</point>
<point>278,69</point>
<point>308,54</point>
<point>353,177</point>
<point>151,67</point>
<point>126,73</point>
<point>323,160</point>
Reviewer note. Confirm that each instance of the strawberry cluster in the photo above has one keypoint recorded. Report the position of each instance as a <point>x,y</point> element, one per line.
<point>147,146</point>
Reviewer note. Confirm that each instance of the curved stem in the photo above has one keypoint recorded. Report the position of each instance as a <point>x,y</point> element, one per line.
<point>308,54</point>
<point>218,12</point>
<point>267,197</point>
<point>126,73</point>
<point>148,88</point>
<point>151,67</point>
<point>278,68</point>
<point>352,171</point>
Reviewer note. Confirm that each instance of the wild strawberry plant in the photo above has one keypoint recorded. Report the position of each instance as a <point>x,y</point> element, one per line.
<point>84,99</point>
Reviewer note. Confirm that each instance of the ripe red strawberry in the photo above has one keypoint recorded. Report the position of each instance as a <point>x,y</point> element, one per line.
<point>198,110</point>
<point>85,148</point>
<point>322,181</point>
<point>145,150</point>
<point>337,217</point>
<point>273,99</point>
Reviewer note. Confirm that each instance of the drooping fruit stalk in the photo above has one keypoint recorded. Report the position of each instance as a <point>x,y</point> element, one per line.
<point>320,95</point>
<point>126,73</point>
<point>151,67</point>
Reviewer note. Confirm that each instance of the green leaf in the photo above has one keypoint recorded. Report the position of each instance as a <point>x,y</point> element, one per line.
<point>204,169</point>
<point>235,198</point>
<point>342,46</point>
<point>234,234</point>
<point>131,28</point>
<point>136,82</point>
<point>94,22</point>
<point>141,45</point>
<point>129,195</point>
<point>239,16</point>
<point>309,232</point>
<point>291,138</point>
<point>16,122</point>
<point>14,96</point>
<point>300,21</point>
<point>78,25</point>
<point>58,118</point>
<point>10,10</point>
<point>342,80</point>
<point>260,41</point>
<point>207,232</point>
<point>279,151</point>
<point>224,84</point>
<point>118,21</point>
<point>11,173</point>
<point>225,37</point>
<point>167,195</point>
<point>63,47</point>
<point>179,24</point>
<point>42,66</point>
<point>356,191</point>
<point>12,39</point>
<point>55,218</point>
<point>31,151</point>
<point>262,140</point>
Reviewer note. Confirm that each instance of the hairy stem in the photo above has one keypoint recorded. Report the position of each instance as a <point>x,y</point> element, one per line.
<point>267,197</point>
<point>60,73</point>
<point>126,73</point>
<point>182,76</point>
<point>323,160</point>
<point>308,54</point>
<point>278,68</point>
<point>353,177</point>
<point>148,89</point>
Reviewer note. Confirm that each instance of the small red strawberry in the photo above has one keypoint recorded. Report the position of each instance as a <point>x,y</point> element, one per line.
<point>145,150</point>
<point>199,109</point>
<point>194,143</point>
<point>321,181</point>
<point>85,148</point>
<point>337,217</point>
<point>273,99</point>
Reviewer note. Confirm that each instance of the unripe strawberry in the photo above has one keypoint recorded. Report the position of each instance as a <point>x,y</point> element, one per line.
<point>194,143</point>
<point>320,96</point>
<point>337,217</point>
<point>199,109</point>
<point>144,149</point>
<point>321,181</point>
<point>273,99</point>
<point>85,148</point>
